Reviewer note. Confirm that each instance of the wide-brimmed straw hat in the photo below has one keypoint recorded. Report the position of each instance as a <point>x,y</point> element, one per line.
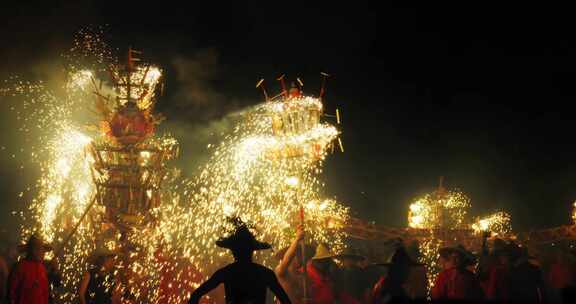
<point>322,252</point>
<point>34,239</point>
<point>242,239</point>
<point>350,253</point>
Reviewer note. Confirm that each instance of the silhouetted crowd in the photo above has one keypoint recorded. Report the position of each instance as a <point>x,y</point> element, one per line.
<point>501,272</point>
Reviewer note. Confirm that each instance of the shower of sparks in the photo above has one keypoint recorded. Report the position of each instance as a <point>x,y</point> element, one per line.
<point>59,126</point>
<point>498,223</point>
<point>56,144</point>
<point>263,176</point>
<point>447,211</point>
<point>430,249</point>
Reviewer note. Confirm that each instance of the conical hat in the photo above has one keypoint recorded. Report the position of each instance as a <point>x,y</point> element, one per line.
<point>242,239</point>
<point>322,252</point>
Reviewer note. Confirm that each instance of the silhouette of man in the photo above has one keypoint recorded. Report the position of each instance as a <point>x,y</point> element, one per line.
<point>245,282</point>
<point>391,287</point>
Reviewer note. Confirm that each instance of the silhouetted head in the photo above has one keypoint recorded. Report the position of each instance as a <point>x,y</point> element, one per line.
<point>399,264</point>
<point>35,248</point>
<point>241,242</point>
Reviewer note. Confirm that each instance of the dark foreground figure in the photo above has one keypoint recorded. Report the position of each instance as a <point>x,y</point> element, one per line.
<point>32,277</point>
<point>245,282</point>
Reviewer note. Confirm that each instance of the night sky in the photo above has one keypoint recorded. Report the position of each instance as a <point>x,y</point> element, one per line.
<point>480,95</point>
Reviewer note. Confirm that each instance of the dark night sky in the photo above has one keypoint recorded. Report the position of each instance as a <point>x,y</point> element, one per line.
<point>480,95</point>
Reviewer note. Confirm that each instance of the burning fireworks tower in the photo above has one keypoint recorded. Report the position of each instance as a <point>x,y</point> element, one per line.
<point>128,167</point>
<point>294,116</point>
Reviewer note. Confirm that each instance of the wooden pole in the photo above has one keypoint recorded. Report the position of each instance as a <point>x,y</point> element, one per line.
<point>303,249</point>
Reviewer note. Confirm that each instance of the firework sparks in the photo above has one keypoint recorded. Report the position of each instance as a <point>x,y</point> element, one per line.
<point>498,223</point>
<point>264,172</point>
<point>264,178</point>
<point>437,210</point>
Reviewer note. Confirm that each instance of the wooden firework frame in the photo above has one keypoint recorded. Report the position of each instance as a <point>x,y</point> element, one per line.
<point>129,179</point>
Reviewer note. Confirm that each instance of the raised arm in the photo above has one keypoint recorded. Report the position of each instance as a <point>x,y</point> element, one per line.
<point>206,287</point>
<point>277,289</point>
<point>290,253</point>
